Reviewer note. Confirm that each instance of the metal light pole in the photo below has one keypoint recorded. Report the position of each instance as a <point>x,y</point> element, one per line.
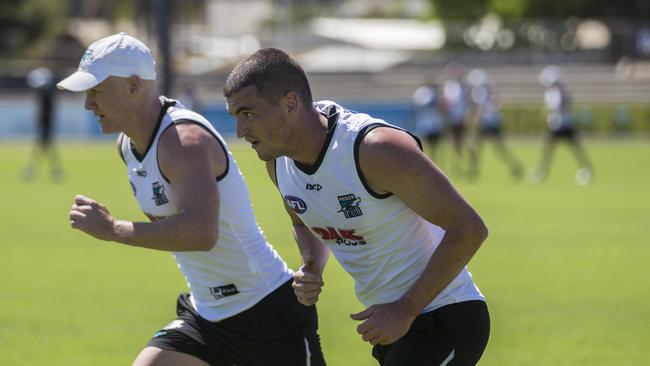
<point>163,17</point>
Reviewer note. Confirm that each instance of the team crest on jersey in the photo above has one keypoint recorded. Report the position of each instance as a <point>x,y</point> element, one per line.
<point>159,194</point>
<point>350,205</point>
<point>296,204</point>
<point>220,292</point>
<point>140,172</point>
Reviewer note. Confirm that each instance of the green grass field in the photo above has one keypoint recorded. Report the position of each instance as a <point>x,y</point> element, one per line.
<point>563,268</point>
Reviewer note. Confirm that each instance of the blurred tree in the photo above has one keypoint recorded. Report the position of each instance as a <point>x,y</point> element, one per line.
<point>24,22</point>
<point>25,25</point>
<point>635,9</point>
<point>461,9</point>
<point>518,9</point>
<point>508,9</point>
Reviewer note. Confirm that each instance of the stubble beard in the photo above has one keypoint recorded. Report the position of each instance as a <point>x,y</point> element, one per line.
<point>265,157</point>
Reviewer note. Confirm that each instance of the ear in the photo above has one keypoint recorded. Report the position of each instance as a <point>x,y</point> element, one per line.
<point>134,84</point>
<point>291,102</point>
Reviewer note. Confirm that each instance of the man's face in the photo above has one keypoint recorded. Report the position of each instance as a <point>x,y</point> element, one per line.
<point>109,102</point>
<point>260,123</point>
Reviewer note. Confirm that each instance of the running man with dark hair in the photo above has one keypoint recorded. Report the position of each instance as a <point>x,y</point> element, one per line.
<point>364,190</point>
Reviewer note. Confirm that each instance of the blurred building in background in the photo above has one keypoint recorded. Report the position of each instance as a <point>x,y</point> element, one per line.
<point>370,54</point>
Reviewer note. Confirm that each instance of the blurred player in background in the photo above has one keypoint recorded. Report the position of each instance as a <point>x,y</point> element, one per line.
<point>189,98</point>
<point>488,119</point>
<point>561,127</point>
<point>42,80</point>
<point>426,118</point>
<point>241,309</point>
<point>456,101</point>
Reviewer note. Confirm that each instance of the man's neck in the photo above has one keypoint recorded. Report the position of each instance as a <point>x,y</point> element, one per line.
<point>312,138</point>
<point>143,124</point>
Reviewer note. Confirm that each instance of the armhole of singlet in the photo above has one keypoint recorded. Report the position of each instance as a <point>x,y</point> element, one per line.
<point>275,170</point>
<point>223,147</point>
<point>364,131</point>
<point>120,146</point>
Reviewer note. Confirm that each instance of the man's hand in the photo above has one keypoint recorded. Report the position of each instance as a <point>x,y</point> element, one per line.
<point>307,284</point>
<point>384,323</point>
<point>92,218</point>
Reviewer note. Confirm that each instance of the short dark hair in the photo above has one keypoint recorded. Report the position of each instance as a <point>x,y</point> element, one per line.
<point>273,72</point>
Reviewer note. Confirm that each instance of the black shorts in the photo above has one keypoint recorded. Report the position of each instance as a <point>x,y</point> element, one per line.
<point>278,330</point>
<point>453,335</point>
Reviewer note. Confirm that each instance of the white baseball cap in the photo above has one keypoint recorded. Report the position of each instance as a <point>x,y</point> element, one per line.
<point>117,55</point>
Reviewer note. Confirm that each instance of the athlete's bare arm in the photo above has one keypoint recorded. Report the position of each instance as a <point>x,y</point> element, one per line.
<point>391,161</point>
<point>190,158</point>
<point>308,279</point>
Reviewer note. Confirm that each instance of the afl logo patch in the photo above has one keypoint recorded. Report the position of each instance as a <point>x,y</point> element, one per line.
<point>297,205</point>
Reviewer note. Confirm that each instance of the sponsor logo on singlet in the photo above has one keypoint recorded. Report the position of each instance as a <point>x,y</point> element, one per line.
<point>313,187</point>
<point>340,236</point>
<point>159,194</point>
<point>220,292</point>
<point>296,204</point>
<point>350,205</point>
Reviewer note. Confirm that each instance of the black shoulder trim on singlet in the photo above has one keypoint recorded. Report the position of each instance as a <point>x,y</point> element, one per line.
<point>163,109</point>
<point>332,119</point>
<point>417,139</point>
<point>120,142</point>
<point>223,147</point>
<point>275,170</point>
<point>364,131</point>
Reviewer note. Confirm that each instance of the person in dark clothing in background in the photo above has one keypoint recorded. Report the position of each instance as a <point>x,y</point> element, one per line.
<point>42,81</point>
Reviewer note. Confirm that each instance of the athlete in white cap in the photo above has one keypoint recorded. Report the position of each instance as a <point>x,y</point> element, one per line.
<point>241,309</point>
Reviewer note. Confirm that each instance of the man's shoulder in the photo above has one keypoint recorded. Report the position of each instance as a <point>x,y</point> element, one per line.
<point>385,135</point>
<point>186,134</point>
